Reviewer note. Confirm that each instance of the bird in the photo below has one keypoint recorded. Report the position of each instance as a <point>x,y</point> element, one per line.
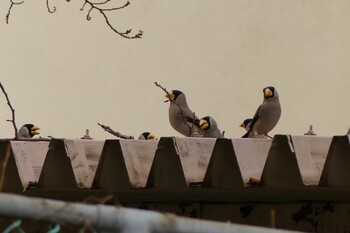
<point>28,131</point>
<point>147,136</point>
<point>210,127</point>
<point>181,117</point>
<point>246,124</point>
<point>267,115</point>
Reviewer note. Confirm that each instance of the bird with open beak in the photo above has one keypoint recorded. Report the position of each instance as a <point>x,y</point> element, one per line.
<point>210,127</point>
<point>181,117</point>
<point>246,124</point>
<point>147,136</point>
<point>28,131</point>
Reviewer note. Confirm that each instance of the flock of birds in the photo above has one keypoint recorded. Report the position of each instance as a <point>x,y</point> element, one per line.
<point>184,121</point>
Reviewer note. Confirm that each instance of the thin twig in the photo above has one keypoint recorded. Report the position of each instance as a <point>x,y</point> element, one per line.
<point>164,89</point>
<point>101,3</point>
<point>98,6</point>
<point>10,8</point>
<point>184,117</point>
<point>115,133</point>
<point>95,6</point>
<point>48,7</point>
<point>12,111</point>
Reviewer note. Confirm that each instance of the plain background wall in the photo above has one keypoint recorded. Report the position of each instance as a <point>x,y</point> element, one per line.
<point>65,74</point>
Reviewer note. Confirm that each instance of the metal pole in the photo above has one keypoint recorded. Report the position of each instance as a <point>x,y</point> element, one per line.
<point>114,219</point>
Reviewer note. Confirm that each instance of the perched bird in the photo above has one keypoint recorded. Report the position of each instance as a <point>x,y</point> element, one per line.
<point>267,115</point>
<point>180,115</point>
<point>246,124</point>
<point>28,131</point>
<point>147,136</point>
<point>210,127</point>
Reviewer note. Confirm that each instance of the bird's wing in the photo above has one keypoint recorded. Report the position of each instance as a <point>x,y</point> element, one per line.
<point>255,118</point>
<point>191,119</point>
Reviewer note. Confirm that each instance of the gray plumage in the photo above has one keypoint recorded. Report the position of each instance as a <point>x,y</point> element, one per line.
<point>267,115</point>
<point>210,127</point>
<point>28,131</point>
<point>181,117</point>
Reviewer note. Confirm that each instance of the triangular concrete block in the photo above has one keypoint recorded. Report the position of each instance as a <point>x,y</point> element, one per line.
<point>111,173</point>
<point>57,170</point>
<point>281,167</point>
<point>223,170</point>
<point>336,170</point>
<point>11,181</point>
<point>166,171</point>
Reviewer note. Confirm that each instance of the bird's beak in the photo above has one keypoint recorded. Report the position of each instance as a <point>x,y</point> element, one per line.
<point>151,136</point>
<point>268,93</point>
<point>170,96</point>
<point>242,125</point>
<point>203,124</point>
<point>34,130</point>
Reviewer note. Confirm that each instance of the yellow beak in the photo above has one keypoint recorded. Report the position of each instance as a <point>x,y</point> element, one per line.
<point>268,93</point>
<point>34,130</point>
<point>170,95</point>
<point>242,125</point>
<point>203,124</point>
<point>151,136</point>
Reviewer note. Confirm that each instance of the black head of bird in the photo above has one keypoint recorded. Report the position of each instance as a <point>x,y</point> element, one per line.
<point>246,123</point>
<point>28,131</point>
<point>204,123</point>
<point>209,127</point>
<point>269,92</point>
<point>147,136</point>
<point>173,95</point>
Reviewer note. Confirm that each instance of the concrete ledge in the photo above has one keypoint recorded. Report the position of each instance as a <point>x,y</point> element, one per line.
<point>281,167</point>
<point>84,156</point>
<point>111,173</point>
<point>251,156</point>
<point>166,171</point>
<point>194,154</point>
<point>223,171</point>
<point>336,171</point>
<point>57,170</point>
<point>24,163</point>
<point>138,156</point>
<point>176,162</point>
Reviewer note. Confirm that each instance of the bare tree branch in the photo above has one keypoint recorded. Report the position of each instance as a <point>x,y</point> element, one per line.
<point>102,11</point>
<point>164,89</point>
<point>99,7</point>
<point>184,117</point>
<point>12,110</point>
<point>48,7</point>
<point>101,3</point>
<point>115,133</point>
<point>10,8</point>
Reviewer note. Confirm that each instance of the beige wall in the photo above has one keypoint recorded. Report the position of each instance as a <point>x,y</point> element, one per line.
<point>66,74</point>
